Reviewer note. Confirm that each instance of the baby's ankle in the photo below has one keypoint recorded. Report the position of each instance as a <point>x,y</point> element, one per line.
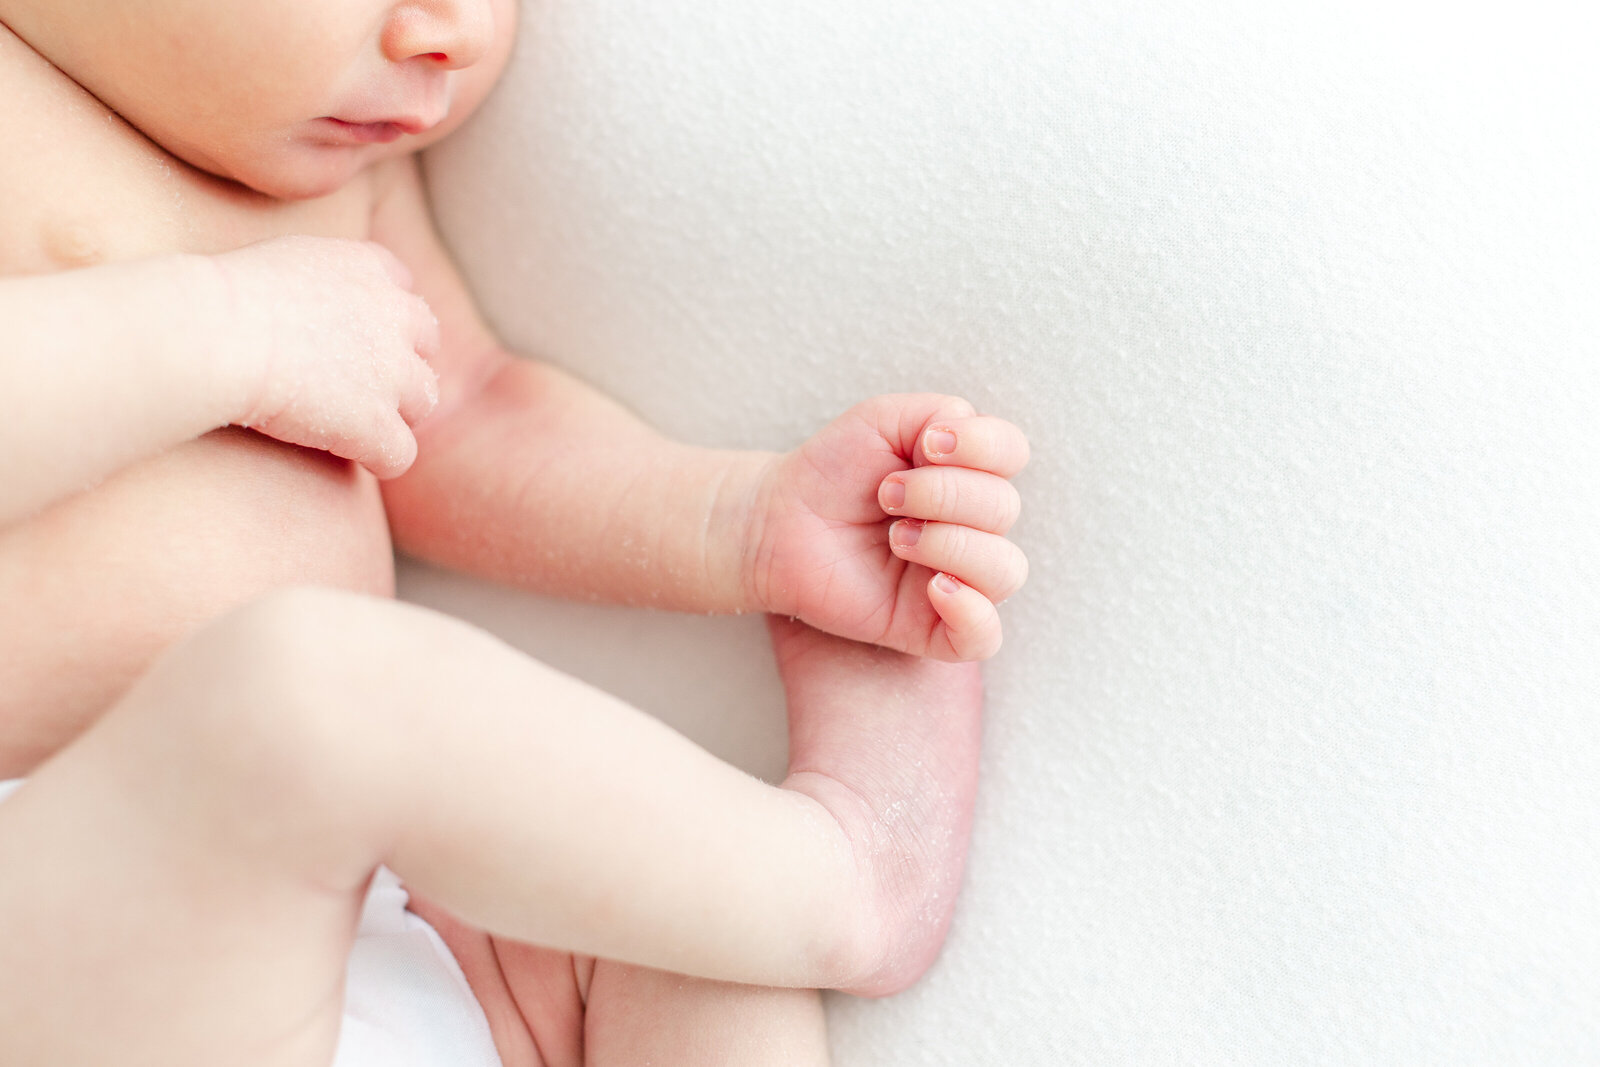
<point>887,746</point>
<point>891,923</point>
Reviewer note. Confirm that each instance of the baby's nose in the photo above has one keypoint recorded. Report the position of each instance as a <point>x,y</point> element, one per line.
<point>455,33</point>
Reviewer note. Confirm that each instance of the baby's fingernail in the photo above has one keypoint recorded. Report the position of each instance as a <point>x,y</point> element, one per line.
<point>946,583</point>
<point>939,442</point>
<point>905,533</point>
<point>892,494</point>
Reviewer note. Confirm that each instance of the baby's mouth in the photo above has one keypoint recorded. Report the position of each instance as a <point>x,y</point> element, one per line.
<point>382,131</point>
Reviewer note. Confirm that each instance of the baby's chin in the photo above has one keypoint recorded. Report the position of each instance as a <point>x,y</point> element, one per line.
<point>309,173</point>
<point>305,174</point>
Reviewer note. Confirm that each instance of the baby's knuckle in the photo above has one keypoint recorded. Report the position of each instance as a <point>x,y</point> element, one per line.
<point>957,546</point>
<point>427,321</point>
<point>937,492</point>
<point>985,502</point>
<point>949,401</point>
<point>1006,506</point>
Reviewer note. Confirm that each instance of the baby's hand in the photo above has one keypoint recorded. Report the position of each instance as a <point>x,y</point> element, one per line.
<point>329,348</point>
<point>928,583</point>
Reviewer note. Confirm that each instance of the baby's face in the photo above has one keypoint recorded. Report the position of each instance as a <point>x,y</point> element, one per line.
<point>289,97</point>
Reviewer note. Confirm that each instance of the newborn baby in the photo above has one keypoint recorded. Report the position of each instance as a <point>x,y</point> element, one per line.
<point>238,361</point>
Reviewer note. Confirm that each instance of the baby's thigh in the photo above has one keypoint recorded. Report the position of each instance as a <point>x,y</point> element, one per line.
<point>638,1015</point>
<point>130,938</point>
<point>556,1009</point>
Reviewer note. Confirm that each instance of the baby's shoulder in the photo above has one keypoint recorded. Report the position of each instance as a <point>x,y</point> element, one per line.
<point>80,185</point>
<point>70,170</point>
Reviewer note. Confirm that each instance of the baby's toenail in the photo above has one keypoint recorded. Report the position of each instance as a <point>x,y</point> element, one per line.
<point>940,442</point>
<point>905,533</point>
<point>892,494</point>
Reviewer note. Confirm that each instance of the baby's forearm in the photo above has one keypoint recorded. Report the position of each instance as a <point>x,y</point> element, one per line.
<point>539,481</point>
<point>100,368</point>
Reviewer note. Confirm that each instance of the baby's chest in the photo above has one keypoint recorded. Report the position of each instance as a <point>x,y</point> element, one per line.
<point>59,213</point>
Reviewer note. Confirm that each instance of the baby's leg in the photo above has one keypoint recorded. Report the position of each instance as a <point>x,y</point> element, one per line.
<point>637,1015</point>
<point>207,842</point>
<point>847,704</point>
<point>125,938</point>
<point>538,808</point>
<point>540,1002</point>
<point>548,1008</point>
<point>889,744</point>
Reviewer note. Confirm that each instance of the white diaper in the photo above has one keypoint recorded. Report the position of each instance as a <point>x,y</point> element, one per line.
<point>406,1002</point>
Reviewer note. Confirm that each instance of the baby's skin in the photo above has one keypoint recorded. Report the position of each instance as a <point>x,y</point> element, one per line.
<point>238,361</point>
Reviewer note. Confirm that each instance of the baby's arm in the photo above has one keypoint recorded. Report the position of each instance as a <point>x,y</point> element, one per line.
<point>527,476</point>
<point>313,342</point>
<point>100,368</point>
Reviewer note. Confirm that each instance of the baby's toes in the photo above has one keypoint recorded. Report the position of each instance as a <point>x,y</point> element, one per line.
<point>989,563</point>
<point>959,495</point>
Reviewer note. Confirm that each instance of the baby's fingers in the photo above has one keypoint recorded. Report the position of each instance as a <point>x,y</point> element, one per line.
<point>952,494</point>
<point>387,449</point>
<point>419,394</point>
<point>989,563</point>
<point>419,385</point>
<point>982,442</point>
<point>971,623</point>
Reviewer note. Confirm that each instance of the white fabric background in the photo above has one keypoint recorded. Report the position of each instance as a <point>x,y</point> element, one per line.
<point>1293,752</point>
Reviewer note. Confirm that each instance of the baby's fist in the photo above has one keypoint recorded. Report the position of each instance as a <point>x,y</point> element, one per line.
<point>329,348</point>
<point>952,511</point>
<point>889,526</point>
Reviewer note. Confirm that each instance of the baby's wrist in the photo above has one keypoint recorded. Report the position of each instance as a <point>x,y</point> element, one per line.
<point>231,372</point>
<point>737,527</point>
<point>763,556</point>
<point>175,325</point>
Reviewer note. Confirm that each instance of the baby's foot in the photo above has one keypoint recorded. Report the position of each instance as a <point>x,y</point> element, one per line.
<point>888,743</point>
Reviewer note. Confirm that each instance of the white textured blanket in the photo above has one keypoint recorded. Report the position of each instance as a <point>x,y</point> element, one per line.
<point>1292,756</point>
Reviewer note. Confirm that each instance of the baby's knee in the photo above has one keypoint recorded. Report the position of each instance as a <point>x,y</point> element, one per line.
<point>242,741</point>
<point>277,665</point>
<point>262,707</point>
